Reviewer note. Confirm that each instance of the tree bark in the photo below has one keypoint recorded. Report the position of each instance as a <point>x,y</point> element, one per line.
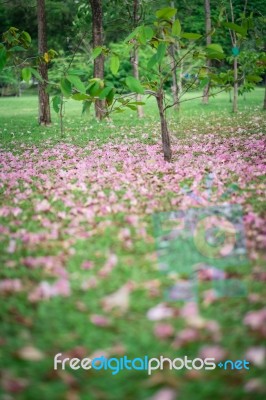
<point>135,57</point>
<point>44,104</point>
<point>235,99</point>
<point>234,44</point>
<point>166,142</point>
<point>208,27</point>
<point>135,66</point>
<point>97,38</point>
<point>175,92</point>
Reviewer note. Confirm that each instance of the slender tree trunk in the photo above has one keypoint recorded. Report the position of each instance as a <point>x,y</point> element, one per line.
<point>44,104</point>
<point>97,38</point>
<point>135,57</point>
<point>207,7</point>
<point>172,50</point>
<point>167,152</point>
<point>234,42</point>
<point>135,66</point>
<point>235,99</point>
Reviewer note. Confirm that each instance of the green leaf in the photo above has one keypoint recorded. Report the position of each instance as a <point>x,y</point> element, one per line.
<point>253,78</point>
<point>131,106</point>
<point>132,35</point>
<point>166,13</point>
<point>161,52</point>
<point>3,57</point>
<point>76,72</point>
<point>36,74</point>
<point>236,28</point>
<point>95,88</point>
<point>114,64</point>
<point>75,80</point>
<point>86,107</point>
<point>15,49</point>
<point>191,36</point>
<point>176,28</point>
<point>119,110</point>
<point>203,83</point>
<point>25,35</point>
<point>146,33</point>
<point>134,85</point>
<point>65,86</point>
<point>152,61</point>
<point>214,51</point>
<point>138,103</point>
<point>110,97</point>
<point>96,52</point>
<point>26,74</point>
<point>56,103</point>
<point>80,96</point>
<point>215,47</point>
<point>104,93</point>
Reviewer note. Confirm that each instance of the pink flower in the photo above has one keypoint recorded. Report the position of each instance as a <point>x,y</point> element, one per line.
<point>45,290</point>
<point>42,206</point>
<point>161,311</point>
<point>87,265</point>
<point>163,331</point>
<point>99,320</point>
<point>185,336</point>
<point>256,320</point>
<point>190,310</point>
<point>256,355</point>
<point>12,246</point>
<point>10,285</point>
<point>216,352</point>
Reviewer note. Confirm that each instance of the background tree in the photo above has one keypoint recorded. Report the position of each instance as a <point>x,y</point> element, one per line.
<point>233,36</point>
<point>135,55</point>
<point>44,104</point>
<point>173,49</point>
<point>97,38</point>
<point>208,27</point>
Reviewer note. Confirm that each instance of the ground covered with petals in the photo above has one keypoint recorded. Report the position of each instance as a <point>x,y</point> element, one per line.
<point>80,273</point>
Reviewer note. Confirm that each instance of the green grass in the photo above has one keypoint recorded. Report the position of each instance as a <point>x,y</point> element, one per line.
<point>19,120</point>
<point>63,324</point>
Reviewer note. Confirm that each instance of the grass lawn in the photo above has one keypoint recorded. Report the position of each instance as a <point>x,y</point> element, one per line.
<point>89,258</point>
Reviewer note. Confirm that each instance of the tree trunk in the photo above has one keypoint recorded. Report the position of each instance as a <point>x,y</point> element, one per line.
<point>208,27</point>
<point>44,104</point>
<point>172,50</point>
<point>135,57</point>
<point>235,99</point>
<point>135,66</point>
<point>97,38</point>
<point>167,152</point>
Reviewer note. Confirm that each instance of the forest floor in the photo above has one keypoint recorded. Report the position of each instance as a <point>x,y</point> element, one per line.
<point>95,263</point>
